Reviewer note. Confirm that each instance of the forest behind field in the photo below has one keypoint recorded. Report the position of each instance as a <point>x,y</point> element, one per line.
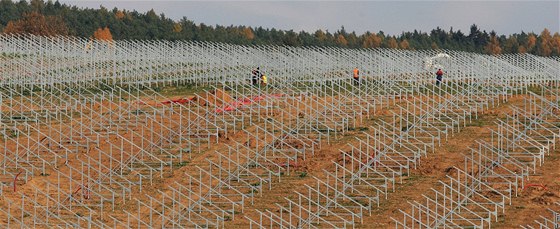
<point>50,18</point>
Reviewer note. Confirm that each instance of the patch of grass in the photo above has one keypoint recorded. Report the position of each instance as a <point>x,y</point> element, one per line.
<point>35,89</point>
<point>137,112</point>
<point>157,89</point>
<point>476,122</point>
<point>501,219</point>
<point>181,164</point>
<point>363,202</point>
<point>105,87</point>
<point>19,118</point>
<point>302,174</point>
<point>535,89</point>
<point>406,128</point>
<point>413,178</point>
<point>10,133</point>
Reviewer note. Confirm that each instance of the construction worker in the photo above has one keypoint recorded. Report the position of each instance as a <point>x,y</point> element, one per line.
<point>264,80</point>
<point>255,75</point>
<point>439,76</point>
<point>356,76</point>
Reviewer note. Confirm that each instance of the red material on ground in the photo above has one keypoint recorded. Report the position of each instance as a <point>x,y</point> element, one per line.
<point>77,190</point>
<point>15,179</point>
<point>179,101</point>
<point>246,101</point>
<point>534,185</point>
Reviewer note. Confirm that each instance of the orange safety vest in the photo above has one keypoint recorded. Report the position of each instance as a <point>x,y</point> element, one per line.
<point>356,73</point>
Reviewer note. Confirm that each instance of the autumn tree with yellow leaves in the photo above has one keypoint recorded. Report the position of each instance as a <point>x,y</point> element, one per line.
<point>177,28</point>
<point>556,44</point>
<point>37,24</point>
<point>392,43</point>
<point>493,47</point>
<point>372,41</point>
<point>248,33</point>
<point>119,14</point>
<point>103,34</point>
<point>531,42</point>
<point>404,44</point>
<point>544,47</point>
<point>341,40</point>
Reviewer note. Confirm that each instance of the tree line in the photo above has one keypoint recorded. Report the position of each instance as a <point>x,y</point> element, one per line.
<point>53,18</point>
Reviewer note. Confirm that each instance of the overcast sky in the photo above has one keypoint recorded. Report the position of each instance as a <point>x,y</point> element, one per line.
<point>391,17</point>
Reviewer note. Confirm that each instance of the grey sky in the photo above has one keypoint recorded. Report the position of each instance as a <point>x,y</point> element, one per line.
<point>392,17</point>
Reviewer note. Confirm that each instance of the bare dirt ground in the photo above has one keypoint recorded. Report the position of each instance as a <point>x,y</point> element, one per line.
<point>532,201</point>
<point>432,169</point>
<point>540,193</point>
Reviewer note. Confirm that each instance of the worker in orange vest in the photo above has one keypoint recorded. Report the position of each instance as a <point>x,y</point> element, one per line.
<point>356,76</point>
